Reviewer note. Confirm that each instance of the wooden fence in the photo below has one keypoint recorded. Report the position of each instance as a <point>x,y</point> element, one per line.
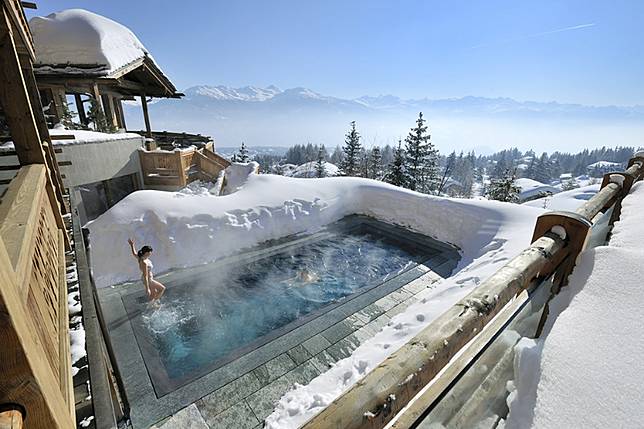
<point>35,360</point>
<point>178,168</point>
<point>558,239</point>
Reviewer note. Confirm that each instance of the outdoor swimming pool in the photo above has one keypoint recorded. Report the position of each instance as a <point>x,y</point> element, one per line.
<point>215,314</point>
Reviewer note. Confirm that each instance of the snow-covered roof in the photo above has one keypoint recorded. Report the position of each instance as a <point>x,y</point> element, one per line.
<point>604,164</point>
<point>81,37</point>
<point>80,137</point>
<point>531,188</point>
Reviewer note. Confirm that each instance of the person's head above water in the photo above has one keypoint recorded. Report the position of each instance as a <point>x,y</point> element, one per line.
<point>144,251</point>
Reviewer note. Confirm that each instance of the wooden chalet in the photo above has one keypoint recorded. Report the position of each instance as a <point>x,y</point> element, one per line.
<point>105,82</point>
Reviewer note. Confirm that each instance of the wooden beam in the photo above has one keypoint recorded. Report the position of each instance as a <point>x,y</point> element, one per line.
<point>146,117</point>
<point>112,114</point>
<point>34,99</point>
<point>11,417</point>
<point>62,137</point>
<point>21,27</point>
<point>29,5</point>
<point>14,99</point>
<point>119,108</point>
<point>82,117</point>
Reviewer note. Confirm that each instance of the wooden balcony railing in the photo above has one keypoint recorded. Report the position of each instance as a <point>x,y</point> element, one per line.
<point>35,360</point>
<point>446,346</point>
<point>178,168</point>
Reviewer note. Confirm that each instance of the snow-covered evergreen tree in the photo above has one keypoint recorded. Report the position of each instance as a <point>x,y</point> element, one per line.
<point>397,172</point>
<point>337,156</point>
<point>67,118</point>
<point>320,171</point>
<point>543,170</point>
<point>375,164</point>
<point>504,188</point>
<point>97,117</point>
<point>351,163</point>
<point>422,158</point>
<point>242,155</point>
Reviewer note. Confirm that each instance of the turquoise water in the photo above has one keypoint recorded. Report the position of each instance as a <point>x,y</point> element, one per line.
<point>210,318</point>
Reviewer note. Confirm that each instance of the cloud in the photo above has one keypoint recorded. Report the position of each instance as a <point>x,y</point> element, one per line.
<point>530,36</point>
<point>561,30</point>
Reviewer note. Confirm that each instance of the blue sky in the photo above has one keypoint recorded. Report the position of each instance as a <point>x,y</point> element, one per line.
<point>587,52</point>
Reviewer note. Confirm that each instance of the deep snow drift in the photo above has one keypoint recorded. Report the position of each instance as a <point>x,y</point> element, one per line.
<point>187,229</point>
<point>586,369</point>
<point>192,229</point>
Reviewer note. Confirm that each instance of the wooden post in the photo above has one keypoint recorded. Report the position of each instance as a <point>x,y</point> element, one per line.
<point>577,230</point>
<point>58,95</point>
<point>13,98</point>
<point>19,112</point>
<point>146,117</point>
<point>96,94</point>
<point>110,113</point>
<point>11,416</point>
<point>50,156</point>
<point>118,104</point>
<point>82,117</point>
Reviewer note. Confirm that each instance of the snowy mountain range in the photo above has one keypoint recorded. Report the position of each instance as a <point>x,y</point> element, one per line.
<point>282,117</point>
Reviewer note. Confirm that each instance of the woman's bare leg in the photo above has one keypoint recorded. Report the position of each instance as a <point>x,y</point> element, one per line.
<point>158,289</point>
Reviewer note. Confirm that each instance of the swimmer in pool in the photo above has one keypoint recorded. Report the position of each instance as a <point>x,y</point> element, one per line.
<point>303,277</point>
<point>153,288</point>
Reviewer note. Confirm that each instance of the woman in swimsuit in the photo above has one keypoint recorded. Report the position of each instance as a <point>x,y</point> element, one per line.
<point>153,288</point>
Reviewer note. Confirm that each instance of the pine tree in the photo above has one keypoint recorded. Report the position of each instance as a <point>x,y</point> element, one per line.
<point>449,170</point>
<point>422,158</point>
<point>397,173</point>
<point>337,156</point>
<point>376,163</point>
<point>543,171</point>
<point>320,171</point>
<point>242,156</point>
<point>97,117</point>
<point>351,163</point>
<point>67,118</point>
<point>504,188</point>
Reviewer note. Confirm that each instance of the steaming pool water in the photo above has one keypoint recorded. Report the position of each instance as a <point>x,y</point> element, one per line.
<point>210,318</point>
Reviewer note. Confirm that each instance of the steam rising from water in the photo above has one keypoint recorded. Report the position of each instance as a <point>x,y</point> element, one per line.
<point>214,314</point>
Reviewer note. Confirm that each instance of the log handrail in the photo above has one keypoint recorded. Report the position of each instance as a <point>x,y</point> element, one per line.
<point>557,241</point>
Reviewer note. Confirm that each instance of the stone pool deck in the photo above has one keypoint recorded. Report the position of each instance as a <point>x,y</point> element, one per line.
<point>242,391</point>
<point>246,401</point>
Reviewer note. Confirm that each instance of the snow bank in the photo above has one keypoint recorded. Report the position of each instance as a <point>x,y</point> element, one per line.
<point>586,369</point>
<point>187,230</point>
<point>237,174</point>
<point>78,36</point>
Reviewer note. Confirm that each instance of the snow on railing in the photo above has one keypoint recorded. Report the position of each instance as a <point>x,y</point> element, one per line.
<point>431,356</point>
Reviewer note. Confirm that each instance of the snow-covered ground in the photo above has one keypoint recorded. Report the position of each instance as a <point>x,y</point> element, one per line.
<point>567,200</point>
<point>586,369</point>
